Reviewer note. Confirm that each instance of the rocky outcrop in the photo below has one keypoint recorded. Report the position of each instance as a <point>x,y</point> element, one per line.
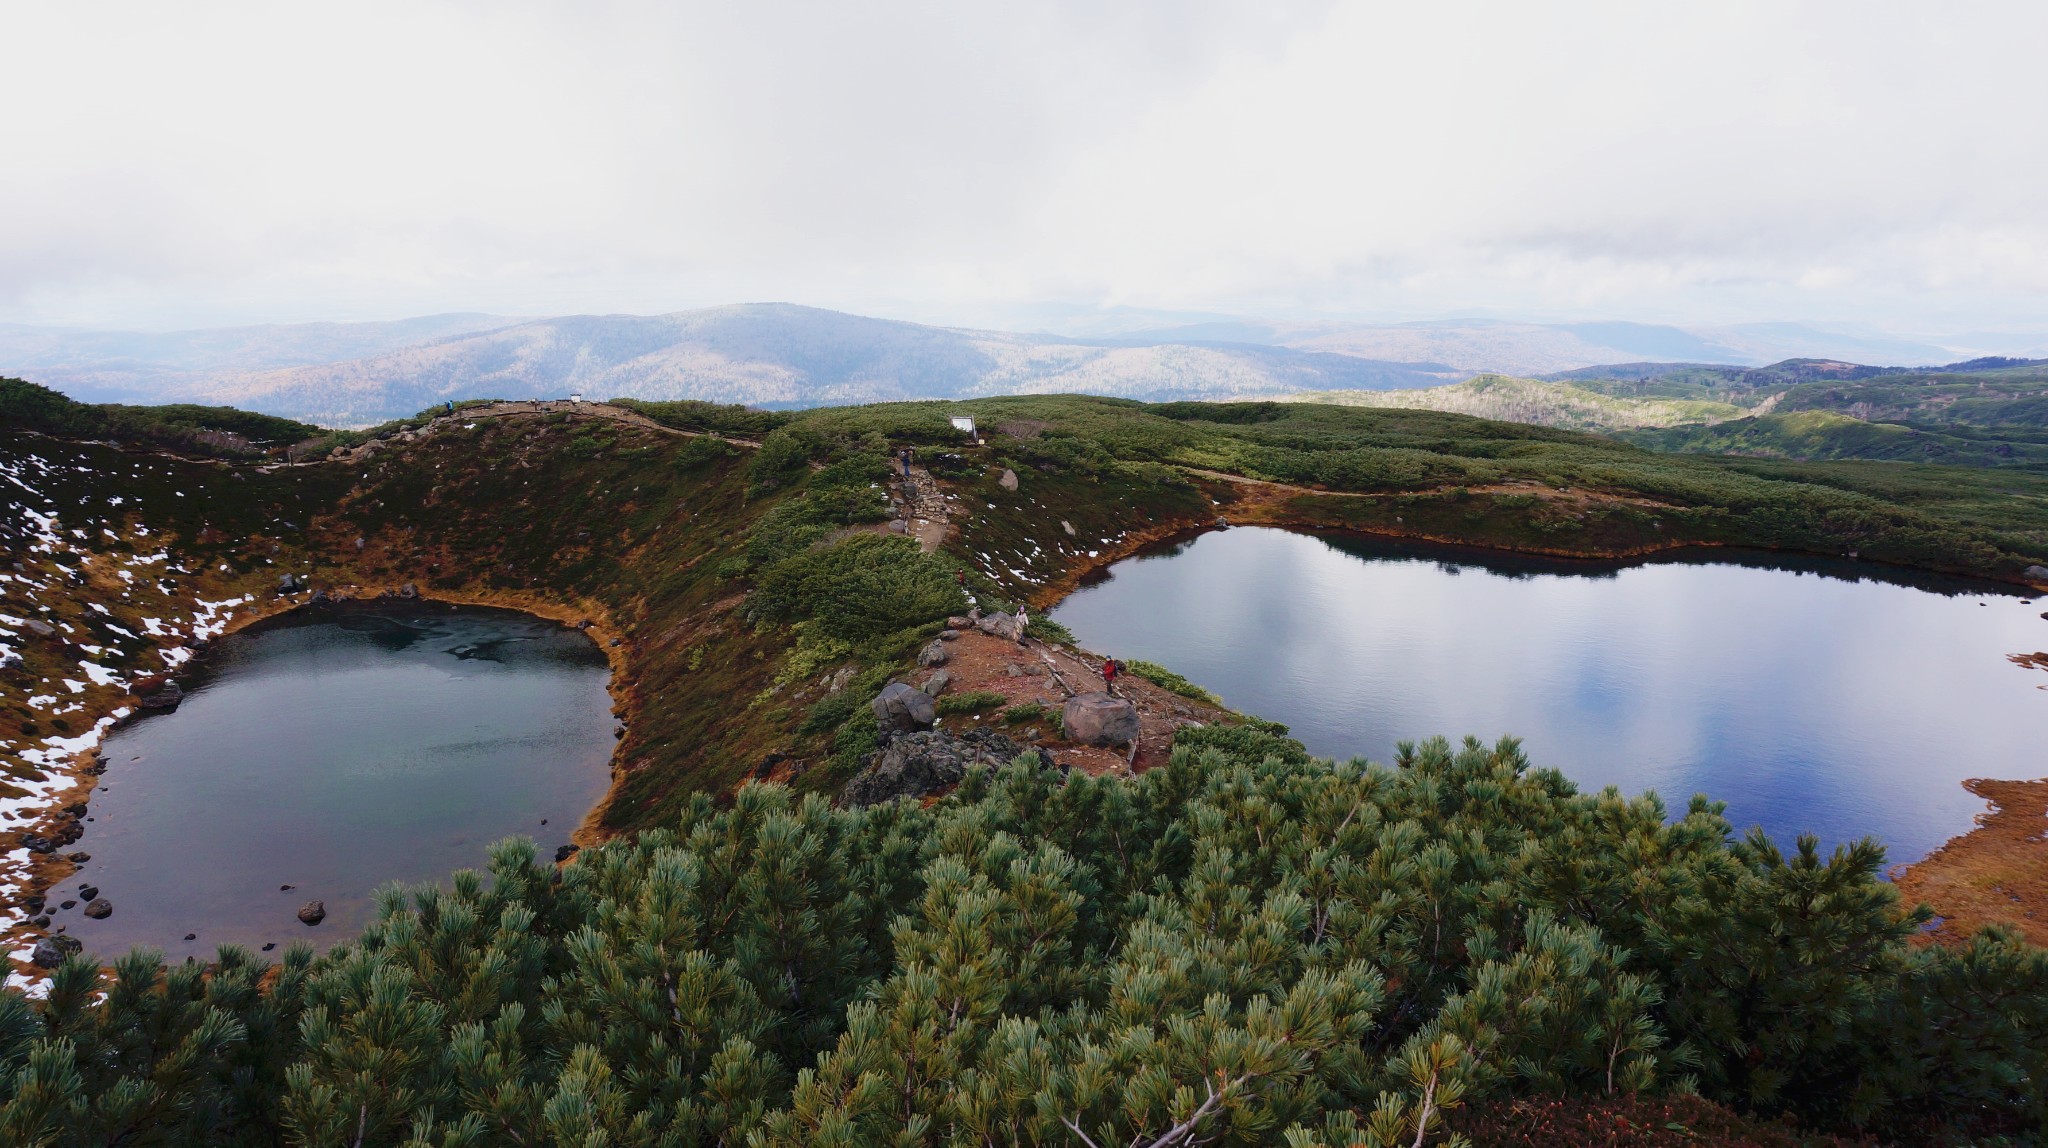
<point>1099,719</point>
<point>917,764</point>
<point>902,707</point>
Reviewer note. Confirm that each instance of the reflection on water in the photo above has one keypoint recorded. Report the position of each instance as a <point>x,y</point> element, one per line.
<point>334,754</point>
<point>1807,694</point>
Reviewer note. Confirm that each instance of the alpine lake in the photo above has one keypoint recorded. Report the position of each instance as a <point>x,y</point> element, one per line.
<point>1833,697</point>
<point>322,754</point>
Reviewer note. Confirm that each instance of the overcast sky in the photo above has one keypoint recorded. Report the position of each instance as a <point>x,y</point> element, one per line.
<point>180,164</point>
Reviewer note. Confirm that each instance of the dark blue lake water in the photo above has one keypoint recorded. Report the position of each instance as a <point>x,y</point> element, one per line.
<point>1809,695</point>
<point>336,754</point>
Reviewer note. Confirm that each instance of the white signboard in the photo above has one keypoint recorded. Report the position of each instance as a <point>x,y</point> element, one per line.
<point>964,426</point>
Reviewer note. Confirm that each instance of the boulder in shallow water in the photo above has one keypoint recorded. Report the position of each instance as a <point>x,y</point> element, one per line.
<point>1099,719</point>
<point>901,707</point>
<point>51,951</point>
<point>99,909</point>
<point>159,693</point>
<point>313,912</point>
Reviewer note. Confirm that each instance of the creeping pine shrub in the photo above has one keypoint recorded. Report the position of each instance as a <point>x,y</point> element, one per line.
<point>1166,679</point>
<point>974,703</point>
<point>1233,950</point>
<point>862,587</point>
<point>701,452</point>
<point>1023,712</point>
<point>783,458</point>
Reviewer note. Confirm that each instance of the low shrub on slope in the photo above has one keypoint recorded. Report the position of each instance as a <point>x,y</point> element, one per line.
<point>1249,950</point>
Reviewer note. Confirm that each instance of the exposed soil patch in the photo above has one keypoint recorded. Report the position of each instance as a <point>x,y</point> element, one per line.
<point>1996,874</point>
<point>1048,675</point>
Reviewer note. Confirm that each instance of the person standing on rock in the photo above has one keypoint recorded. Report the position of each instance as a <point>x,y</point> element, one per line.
<point>1023,620</point>
<point>903,457</point>
<point>1110,666</point>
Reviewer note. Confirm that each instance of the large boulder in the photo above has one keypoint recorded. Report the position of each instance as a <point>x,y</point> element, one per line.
<point>1099,719</point>
<point>903,707</point>
<point>51,951</point>
<point>1000,624</point>
<point>916,764</point>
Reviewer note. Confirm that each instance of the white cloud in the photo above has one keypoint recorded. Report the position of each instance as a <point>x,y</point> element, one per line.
<point>1706,162</point>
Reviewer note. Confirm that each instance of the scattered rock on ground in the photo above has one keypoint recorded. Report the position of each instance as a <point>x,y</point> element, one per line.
<point>932,655</point>
<point>313,912</point>
<point>958,622</point>
<point>2038,573</point>
<point>1009,479</point>
<point>937,684</point>
<point>1099,719</point>
<point>916,764</point>
<point>949,634</point>
<point>901,707</point>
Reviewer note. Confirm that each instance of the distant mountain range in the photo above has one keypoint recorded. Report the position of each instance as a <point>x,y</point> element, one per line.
<point>782,355</point>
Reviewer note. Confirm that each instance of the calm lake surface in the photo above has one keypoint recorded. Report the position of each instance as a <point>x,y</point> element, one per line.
<point>336,753</point>
<point>1809,695</point>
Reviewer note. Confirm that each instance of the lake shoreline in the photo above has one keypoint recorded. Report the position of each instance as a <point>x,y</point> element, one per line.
<point>1993,873</point>
<point>45,872</point>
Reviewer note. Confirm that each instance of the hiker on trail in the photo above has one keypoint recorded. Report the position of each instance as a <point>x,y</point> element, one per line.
<point>1023,620</point>
<point>1110,668</point>
<point>903,456</point>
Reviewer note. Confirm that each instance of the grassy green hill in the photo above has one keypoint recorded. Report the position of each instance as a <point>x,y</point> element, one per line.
<point>1817,434</point>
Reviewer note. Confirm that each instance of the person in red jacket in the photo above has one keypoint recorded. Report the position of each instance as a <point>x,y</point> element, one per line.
<point>1110,668</point>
